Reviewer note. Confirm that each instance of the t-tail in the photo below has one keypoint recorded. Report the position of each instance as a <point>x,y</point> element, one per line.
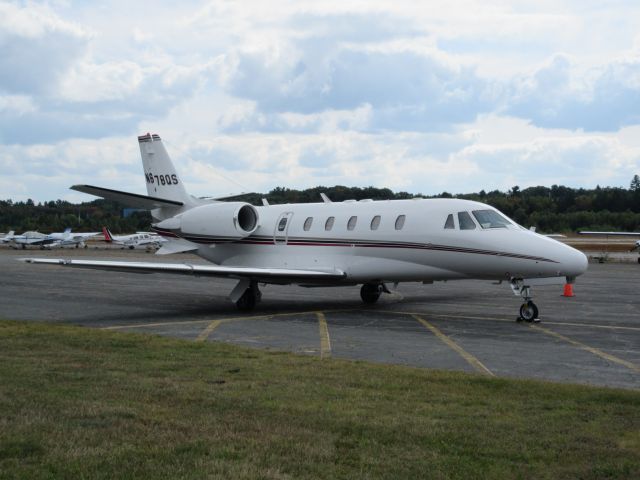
<point>166,193</point>
<point>159,173</point>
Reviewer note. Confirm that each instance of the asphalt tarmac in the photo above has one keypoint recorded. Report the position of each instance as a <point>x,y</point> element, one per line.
<point>592,338</point>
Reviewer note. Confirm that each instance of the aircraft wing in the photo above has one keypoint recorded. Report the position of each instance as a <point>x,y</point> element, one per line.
<point>268,275</point>
<point>620,234</point>
<point>82,236</point>
<point>130,199</point>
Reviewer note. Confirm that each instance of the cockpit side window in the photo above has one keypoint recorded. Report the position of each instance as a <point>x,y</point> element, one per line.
<point>465,221</point>
<point>490,219</point>
<point>448,225</point>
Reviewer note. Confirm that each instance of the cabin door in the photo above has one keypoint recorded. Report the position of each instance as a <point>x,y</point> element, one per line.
<point>280,234</point>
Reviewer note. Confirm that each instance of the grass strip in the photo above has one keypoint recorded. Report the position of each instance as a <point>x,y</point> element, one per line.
<point>82,403</point>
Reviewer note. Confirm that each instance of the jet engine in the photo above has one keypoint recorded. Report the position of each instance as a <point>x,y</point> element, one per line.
<point>222,220</point>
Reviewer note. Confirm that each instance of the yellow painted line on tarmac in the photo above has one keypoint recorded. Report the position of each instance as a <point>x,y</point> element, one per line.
<point>325,341</point>
<point>223,320</point>
<point>608,327</point>
<point>494,319</point>
<point>207,331</point>
<point>393,312</point>
<point>471,360</point>
<point>158,324</point>
<point>595,351</point>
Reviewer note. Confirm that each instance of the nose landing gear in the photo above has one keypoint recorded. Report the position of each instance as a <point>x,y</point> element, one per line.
<point>528,310</point>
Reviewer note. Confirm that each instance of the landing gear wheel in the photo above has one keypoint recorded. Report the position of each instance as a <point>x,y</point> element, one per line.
<point>249,299</point>
<point>528,312</point>
<point>370,292</point>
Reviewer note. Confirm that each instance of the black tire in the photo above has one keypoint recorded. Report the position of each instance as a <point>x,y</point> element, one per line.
<point>370,292</point>
<point>249,299</point>
<point>528,311</point>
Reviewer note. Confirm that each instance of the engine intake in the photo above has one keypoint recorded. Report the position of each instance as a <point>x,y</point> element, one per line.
<point>221,220</point>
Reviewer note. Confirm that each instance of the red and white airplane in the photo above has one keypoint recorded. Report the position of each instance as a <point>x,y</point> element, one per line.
<point>138,239</point>
<point>368,243</point>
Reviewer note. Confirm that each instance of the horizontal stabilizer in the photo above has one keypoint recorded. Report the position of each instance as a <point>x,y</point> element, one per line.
<point>230,196</point>
<point>129,199</point>
<point>268,275</point>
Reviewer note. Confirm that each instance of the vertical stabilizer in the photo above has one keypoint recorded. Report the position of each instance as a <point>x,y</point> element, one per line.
<point>107,235</point>
<point>160,174</point>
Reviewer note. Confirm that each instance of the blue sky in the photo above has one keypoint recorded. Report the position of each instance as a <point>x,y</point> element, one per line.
<point>417,96</point>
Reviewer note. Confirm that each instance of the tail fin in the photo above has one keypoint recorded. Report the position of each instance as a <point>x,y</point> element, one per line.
<point>160,174</point>
<point>107,235</point>
<point>67,230</point>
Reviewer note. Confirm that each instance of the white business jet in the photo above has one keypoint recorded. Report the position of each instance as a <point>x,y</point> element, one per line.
<point>138,239</point>
<point>372,243</point>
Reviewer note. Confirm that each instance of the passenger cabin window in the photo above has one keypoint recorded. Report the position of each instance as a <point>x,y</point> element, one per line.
<point>400,222</point>
<point>490,219</point>
<point>465,221</point>
<point>282,224</point>
<point>329,223</point>
<point>351,224</point>
<point>448,225</point>
<point>375,222</point>
<point>307,224</point>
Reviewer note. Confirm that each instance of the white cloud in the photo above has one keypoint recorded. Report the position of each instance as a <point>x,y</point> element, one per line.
<point>455,95</point>
<point>37,47</point>
<point>559,95</point>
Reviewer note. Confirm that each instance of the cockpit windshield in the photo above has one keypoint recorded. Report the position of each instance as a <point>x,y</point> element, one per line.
<point>490,219</point>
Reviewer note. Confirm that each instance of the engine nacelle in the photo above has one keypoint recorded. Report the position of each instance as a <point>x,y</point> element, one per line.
<point>224,220</point>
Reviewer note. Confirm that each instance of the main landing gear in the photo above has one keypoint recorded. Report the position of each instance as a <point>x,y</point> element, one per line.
<point>528,310</point>
<point>370,292</point>
<point>249,298</point>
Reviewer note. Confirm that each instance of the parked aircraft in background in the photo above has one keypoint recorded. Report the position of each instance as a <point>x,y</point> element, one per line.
<point>7,237</point>
<point>57,239</point>
<point>69,238</point>
<point>27,239</point>
<point>371,243</point>
<point>636,245</point>
<point>138,239</point>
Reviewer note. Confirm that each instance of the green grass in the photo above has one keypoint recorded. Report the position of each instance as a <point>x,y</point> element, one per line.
<point>81,403</point>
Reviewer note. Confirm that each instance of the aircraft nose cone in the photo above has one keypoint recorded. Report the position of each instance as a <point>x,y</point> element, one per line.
<point>575,263</point>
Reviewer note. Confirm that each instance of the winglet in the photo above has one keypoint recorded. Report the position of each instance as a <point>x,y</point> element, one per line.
<point>325,199</point>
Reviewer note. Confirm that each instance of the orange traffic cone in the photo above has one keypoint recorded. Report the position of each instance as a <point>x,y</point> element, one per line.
<point>568,290</point>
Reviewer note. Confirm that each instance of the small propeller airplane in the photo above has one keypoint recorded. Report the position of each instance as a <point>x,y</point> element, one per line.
<point>56,239</point>
<point>8,237</point>
<point>69,238</point>
<point>368,243</point>
<point>138,239</point>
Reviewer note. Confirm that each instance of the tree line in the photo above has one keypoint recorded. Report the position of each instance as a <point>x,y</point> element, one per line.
<point>550,209</point>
